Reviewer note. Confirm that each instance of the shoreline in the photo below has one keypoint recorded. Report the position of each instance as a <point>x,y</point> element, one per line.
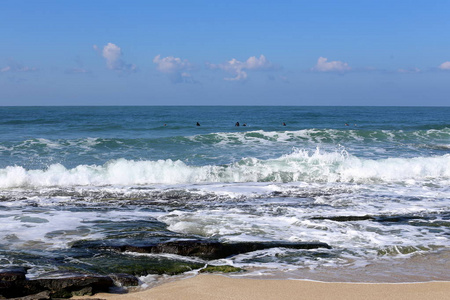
<point>219,287</point>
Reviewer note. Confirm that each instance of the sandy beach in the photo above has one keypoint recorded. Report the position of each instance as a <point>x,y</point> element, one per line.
<point>219,287</point>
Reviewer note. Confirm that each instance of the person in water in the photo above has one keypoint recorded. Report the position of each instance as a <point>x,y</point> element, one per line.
<point>244,124</point>
<point>284,124</point>
<point>237,124</point>
<point>198,124</point>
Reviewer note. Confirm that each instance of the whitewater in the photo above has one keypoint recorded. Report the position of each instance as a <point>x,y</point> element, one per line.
<point>297,166</point>
<point>371,182</point>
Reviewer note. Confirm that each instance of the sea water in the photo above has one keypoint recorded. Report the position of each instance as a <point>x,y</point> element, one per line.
<point>372,182</point>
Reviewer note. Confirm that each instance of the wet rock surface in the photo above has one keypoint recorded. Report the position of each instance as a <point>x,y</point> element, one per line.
<point>55,285</point>
<point>12,274</point>
<point>100,267</point>
<point>138,265</point>
<point>123,279</point>
<point>386,219</point>
<point>211,249</point>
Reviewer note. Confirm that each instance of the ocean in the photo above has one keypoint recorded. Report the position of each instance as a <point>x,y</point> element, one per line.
<point>371,182</point>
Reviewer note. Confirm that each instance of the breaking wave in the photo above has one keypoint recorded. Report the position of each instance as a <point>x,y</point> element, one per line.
<point>301,165</point>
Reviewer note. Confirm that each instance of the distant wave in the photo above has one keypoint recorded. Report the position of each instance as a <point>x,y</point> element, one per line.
<point>257,137</point>
<point>301,165</point>
<point>322,136</point>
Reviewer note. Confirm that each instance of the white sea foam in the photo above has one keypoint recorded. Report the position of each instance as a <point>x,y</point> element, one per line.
<point>301,165</point>
<point>56,229</point>
<point>293,219</point>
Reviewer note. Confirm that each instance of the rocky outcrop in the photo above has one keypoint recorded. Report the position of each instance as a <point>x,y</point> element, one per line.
<point>212,249</point>
<point>101,260</point>
<point>13,284</point>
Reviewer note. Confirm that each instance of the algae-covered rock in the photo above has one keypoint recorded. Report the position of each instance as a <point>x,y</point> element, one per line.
<point>221,269</point>
<point>138,265</point>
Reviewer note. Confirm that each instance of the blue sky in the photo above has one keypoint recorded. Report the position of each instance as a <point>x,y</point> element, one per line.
<point>224,52</point>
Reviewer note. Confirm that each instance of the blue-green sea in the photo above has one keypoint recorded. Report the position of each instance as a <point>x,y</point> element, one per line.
<point>70,174</point>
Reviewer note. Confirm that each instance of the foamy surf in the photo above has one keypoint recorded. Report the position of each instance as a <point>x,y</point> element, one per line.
<point>301,165</point>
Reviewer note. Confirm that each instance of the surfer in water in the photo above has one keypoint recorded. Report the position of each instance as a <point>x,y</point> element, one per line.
<point>198,124</point>
<point>237,124</point>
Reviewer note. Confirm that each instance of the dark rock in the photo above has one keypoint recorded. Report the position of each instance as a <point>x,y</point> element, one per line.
<point>345,218</point>
<point>409,219</point>
<point>86,291</point>
<point>13,274</point>
<point>399,218</point>
<point>39,296</point>
<point>254,246</point>
<point>67,285</point>
<point>18,288</point>
<point>11,280</point>
<point>212,249</point>
<point>58,285</point>
<point>124,279</point>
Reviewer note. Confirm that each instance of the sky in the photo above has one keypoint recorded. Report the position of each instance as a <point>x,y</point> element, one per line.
<point>225,52</point>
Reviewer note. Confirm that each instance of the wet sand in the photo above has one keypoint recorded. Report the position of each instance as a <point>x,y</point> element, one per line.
<point>217,287</point>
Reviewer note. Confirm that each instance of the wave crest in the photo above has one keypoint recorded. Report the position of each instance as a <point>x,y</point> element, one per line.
<point>301,165</point>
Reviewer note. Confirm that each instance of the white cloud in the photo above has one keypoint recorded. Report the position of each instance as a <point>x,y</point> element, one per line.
<point>445,66</point>
<point>261,63</point>
<point>171,64</point>
<point>239,69</point>
<point>323,65</point>
<point>113,56</point>
<point>15,67</point>
<point>175,67</point>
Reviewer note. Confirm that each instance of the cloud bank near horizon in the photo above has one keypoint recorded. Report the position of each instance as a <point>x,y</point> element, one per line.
<point>180,69</point>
